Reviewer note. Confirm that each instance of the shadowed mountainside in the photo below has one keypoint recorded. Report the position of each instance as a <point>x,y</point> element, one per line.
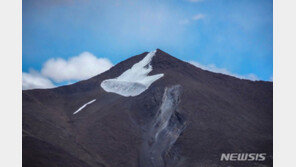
<point>222,114</point>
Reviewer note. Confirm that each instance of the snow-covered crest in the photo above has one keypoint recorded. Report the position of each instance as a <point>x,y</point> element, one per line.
<point>133,81</point>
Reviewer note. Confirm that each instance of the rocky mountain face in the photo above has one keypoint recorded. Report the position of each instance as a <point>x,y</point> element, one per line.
<point>186,117</point>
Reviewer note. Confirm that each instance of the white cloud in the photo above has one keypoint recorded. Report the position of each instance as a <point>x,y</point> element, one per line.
<point>34,80</point>
<point>193,18</point>
<point>81,67</point>
<point>184,21</point>
<point>198,17</point>
<point>215,69</point>
<point>195,0</point>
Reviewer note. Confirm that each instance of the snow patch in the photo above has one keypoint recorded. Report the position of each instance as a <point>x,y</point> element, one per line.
<point>82,107</point>
<point>133,81</point>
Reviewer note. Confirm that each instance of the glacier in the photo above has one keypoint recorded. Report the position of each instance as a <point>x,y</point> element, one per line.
<point>82,107</point>
<point>133,81</point>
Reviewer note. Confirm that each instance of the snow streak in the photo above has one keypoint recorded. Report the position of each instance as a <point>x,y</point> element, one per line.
<point>82,107</point>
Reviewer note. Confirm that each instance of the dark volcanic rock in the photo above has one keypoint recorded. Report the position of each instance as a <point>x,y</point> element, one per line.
<point>223,115</point>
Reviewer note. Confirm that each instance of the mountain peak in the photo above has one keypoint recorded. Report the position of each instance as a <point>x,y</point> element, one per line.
<point>160,52</point>
<point>84,125</point>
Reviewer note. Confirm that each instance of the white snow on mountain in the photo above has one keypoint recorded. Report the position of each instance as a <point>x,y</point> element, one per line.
<point>82,107</point>
<point>133,81</point>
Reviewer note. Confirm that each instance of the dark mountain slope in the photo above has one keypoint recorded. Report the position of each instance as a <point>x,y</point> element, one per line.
<point>223,114</point>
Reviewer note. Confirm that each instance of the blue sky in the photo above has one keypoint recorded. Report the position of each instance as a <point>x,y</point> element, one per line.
<point>229,36</point>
